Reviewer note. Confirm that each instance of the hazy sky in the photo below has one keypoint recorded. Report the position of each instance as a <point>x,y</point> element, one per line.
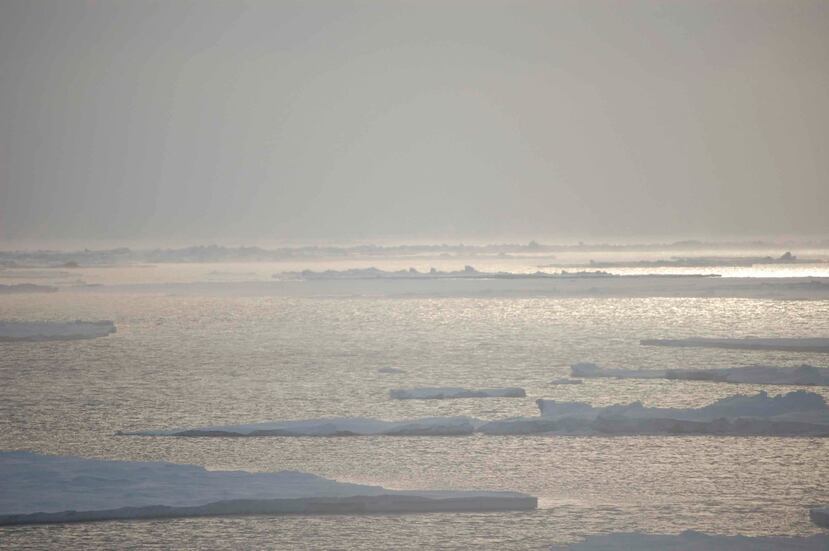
<point>210,120</point>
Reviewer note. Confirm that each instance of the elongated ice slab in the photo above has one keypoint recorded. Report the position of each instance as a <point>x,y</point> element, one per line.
<point>334,426</point>
<point>795,414</point>
<point>42,488</point>
<point>445,393</point>
<point>696,541</point>
<point>814,344</point>
<point>54,330</point>
<point>805,375</point>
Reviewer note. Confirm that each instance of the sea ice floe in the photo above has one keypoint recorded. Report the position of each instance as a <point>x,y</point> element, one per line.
<point>334,426</point>
<point>54,330</point>
<point>794,414</point>
<point>43,488</point>
<point>445,393</point>
<point>805,375</point>
<point>797,413</point>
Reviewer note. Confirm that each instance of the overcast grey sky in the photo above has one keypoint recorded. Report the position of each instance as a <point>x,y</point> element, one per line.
<point>142,120</point>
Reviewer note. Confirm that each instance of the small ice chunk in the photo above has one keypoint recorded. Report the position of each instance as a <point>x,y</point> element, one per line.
<point>446,393</point>
<point>393,370</point>
<point>566,382</point>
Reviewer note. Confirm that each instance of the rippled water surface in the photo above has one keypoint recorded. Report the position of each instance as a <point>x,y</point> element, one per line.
<point>197,360</point>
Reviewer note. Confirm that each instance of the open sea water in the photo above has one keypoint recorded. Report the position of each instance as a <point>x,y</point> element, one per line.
<point>185,361</point>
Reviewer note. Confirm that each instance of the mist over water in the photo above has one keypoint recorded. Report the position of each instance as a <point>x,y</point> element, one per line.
<point>255,121</point>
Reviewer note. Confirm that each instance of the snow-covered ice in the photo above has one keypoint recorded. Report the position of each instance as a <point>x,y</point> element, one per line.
<point>696,541</point>
<point>758,405</point>
<point>805,375</point>
<point>797,413</point>
<point>54,330</point>
<point>391,370</point>
<point>42,488</point>
<point>445,393</point>
<point>812,344</point>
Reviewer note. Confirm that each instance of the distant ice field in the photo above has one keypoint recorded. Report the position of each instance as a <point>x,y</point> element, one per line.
<point>217,360</point>
<point>811,263</point>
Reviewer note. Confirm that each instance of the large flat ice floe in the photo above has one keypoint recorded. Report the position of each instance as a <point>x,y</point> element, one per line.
<point>333,426</point>
<point>54,330</point>
<point>795,414</point>
<point>805,375</point>
<point>814,344</point>
<point>696,541</point>
<point>446,393</point>
<point>42,489</point>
